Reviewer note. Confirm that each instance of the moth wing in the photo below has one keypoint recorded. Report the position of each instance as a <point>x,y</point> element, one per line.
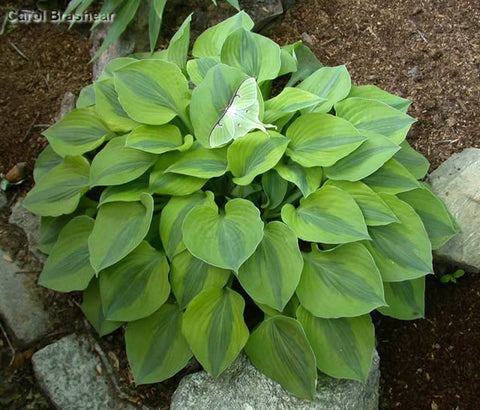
<point>222,132</point>
<point>246,94</point>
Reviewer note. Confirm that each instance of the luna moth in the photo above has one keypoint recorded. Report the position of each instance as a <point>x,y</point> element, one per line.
<point>240,117</point>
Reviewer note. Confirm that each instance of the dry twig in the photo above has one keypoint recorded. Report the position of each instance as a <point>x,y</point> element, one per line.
<point>18,51</point>
<point>9,344</point>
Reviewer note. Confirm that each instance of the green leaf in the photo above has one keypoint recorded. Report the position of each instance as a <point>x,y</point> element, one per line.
<point>374,209</point>
<point>406,300</point>
<point>119,228</point>
<point>68,266</point>
<point>136,286</point>
<point>343,347</point>
<point>210,42</point>
<point>402,250</point>
<point>365,160</point>
<point>197,68</point>
<point>340,282</point>
<point>178,48</point>
<point>117,164</point>
<point>201,162</point>
<point>207,107</point>
<point>307,63</point>
<point>46,161</point>
<point>189,276</point>
<point>371,92</point>
<point>306,179</point>
<point>109,108</point>
<point>156,347</point>
<point>321,140</point>
<point>51,226</point>
<point>375,116</point>
<point>275,188</point>
<point>168,183</point>
<point>86,98</point>
<point>122,19</point>
<point>438,222</point>
<point>415,162</point>
<point>80,131</point>
<point>128,192</point>
<point>271,275</point>
<point>234,3</point>
<point>214,328</point>
<point>93,310</point>
<point>254,154</point>
<point>155,21</point>
<point>60,189</point>
<point>288,62</point>
<point>152,91</point>
<point>227,239</point>
<point>172,218</point>
<point>256,55</point>
<point>279,349</point>
<point>332,83</point>
<point>287,102</point>
<point>392,178</point>
<point>158,139</point>
<point>329,215</point>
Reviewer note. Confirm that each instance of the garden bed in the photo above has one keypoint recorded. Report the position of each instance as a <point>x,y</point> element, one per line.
<point>427,52</point>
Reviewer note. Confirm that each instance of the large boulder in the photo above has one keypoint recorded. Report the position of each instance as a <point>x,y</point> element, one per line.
<point>67,371</point>
<point>21,306</point>
<point>457,182</point>
<point>243,387</point>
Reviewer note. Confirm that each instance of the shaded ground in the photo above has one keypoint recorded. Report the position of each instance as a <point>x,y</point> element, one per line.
<point>427,51</point>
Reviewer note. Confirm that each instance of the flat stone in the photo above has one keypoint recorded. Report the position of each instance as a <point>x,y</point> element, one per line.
<point>67,104</point>
<point>67,372</point>
<point>457,182</point>
<point>243,387</point>
<point>30,224</point>
<point>20,304</point>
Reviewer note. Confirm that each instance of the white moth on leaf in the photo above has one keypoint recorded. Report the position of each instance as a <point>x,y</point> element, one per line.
<point>240,117</point>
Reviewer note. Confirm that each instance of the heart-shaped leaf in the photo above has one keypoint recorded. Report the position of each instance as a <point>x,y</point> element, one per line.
<point>415,162</point>
<point>392,178</point>
<point>68,265</point>
<point>306,179</point>
<point>158,139</point>
<point>227,239</point>
<point>136,286</point>
<point>280,349</point>
<point>119,228</point>
<point>271,275</point>
<point>254,154</point>
<point>374,209</point>
<point>372,92</point>
<point>340,282</point>
<point>156,347</point>
<point>400,260</point>
<point>343,347</point>
<point>214,328</point>
<point>117,164</point>
<point>375,116</point>
<point>60,189</point>
<point>329,215</point>
<point>320,140</point>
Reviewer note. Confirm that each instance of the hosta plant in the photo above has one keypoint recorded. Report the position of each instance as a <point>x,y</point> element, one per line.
<point>247,198</point>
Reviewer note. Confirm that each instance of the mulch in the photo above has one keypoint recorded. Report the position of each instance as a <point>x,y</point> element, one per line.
<point>427,51</point>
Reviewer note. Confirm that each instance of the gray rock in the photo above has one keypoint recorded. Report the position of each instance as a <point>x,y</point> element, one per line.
<point>67,105</point>
<point>242,387</point>
<point>66,371</point>
<point>3,200</point>
<point>457,182</point>
<point>20,304</point>
<point>262,12</point>
<point>30,223</point>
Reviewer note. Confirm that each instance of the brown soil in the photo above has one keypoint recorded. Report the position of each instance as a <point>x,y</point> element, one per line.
<point>427,51</point>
